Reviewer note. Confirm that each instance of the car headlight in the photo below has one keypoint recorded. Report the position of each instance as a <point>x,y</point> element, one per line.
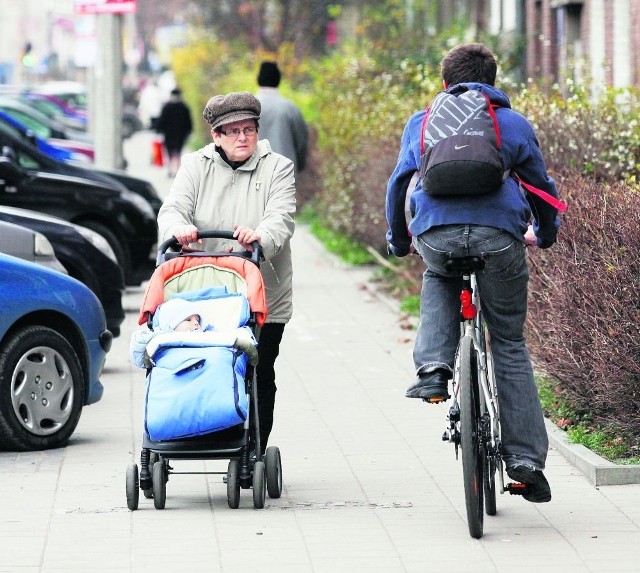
<point>41,246</point>
<point>142,204</point>
<point>98,241</point>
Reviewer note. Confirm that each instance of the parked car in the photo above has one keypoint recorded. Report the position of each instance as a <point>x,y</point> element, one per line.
<point>26,134</point>
<point>53,345</point>
<point>55,108</point>
<point>126,220</point>
<point>139,186</point>
<point>51,130</point>
<point>74,94</point>
<point>83,254</point>
<point>27,244</point>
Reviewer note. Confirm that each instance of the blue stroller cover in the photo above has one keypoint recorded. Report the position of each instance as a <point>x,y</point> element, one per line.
<point>197,382</point>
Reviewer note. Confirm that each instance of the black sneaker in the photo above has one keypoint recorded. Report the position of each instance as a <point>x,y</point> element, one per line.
<point>538,489</point>
<point>431,387</point>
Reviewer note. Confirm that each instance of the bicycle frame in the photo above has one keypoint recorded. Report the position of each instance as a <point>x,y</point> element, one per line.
<point>486,375</point>
<point>473,327</point>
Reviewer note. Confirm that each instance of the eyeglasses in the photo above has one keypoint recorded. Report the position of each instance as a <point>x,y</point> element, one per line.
<point>235,132</point>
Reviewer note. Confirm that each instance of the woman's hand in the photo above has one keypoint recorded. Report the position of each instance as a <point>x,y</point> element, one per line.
<point>245,236</point>
<point>186,234</point>
<point>530,237</point>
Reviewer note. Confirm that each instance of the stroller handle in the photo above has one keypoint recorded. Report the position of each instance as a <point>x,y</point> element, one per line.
<point>172,242</point>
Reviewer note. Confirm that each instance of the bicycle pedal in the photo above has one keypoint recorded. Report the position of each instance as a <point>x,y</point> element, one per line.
<point>436,400</point>
<point>516,488</point>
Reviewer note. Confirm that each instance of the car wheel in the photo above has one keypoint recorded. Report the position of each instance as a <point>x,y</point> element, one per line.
<point>121,252</point>
<point>41,390</point>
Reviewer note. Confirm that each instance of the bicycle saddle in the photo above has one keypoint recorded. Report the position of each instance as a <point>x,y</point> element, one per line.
<point>464,265</point>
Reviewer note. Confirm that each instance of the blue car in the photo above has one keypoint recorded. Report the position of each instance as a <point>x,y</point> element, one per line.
<point>53,345</point>
<point>51,150</point>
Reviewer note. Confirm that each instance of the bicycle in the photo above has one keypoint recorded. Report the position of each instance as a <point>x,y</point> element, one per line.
<point>474,415</point>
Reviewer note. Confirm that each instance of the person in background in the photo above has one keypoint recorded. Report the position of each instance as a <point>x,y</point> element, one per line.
<point>175,125</point>
<point>238,183</point>
<point>150,104</point>
<point>280,119</point>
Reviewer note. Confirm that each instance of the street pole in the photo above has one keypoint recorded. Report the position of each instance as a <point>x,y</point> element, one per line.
<point>106,110</point>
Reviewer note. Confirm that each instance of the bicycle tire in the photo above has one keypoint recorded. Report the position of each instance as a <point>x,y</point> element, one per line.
<point>489,462</point>
<point>489,465</point>
<point>472,459</point>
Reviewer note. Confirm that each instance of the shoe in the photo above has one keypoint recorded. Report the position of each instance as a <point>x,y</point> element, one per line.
<point>432,387</point>
<point>538,488</point>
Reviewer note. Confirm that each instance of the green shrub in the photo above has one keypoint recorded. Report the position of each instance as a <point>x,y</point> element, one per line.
<point>598,139</point>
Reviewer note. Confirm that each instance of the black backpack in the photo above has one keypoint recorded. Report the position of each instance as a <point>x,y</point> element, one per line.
<point>460,146</point>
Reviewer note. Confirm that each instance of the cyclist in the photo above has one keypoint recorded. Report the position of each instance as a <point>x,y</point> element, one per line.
<point>494,226</point>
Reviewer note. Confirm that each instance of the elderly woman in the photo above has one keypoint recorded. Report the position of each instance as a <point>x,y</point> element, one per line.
<point>239,183</point>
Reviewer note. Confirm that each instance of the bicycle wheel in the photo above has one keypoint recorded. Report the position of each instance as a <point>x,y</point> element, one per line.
<point>489,462</point>
<point>470,431</point>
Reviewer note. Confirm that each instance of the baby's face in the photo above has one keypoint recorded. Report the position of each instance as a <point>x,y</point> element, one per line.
<point>189,324</point>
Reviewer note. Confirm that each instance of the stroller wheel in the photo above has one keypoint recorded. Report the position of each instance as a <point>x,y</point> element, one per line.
<point>133,493</point>
<point>153,458</point>
<point>159,485</point>
<point>233,484</point>
<point>273,465</point>
<point>259,485</point>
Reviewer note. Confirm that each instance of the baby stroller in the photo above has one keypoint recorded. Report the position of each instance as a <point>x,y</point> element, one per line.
<point>201,395</point>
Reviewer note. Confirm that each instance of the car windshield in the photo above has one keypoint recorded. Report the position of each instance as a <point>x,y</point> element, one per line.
<point>38,128</point>
<point>8,128</point>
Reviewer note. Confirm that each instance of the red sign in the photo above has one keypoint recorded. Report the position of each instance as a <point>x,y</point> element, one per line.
<point>104,6</point>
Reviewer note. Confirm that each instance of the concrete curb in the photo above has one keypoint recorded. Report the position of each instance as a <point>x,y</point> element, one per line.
<point>595,468</point>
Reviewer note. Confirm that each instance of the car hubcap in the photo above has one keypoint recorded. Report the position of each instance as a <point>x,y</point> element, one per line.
<point>42,391</point>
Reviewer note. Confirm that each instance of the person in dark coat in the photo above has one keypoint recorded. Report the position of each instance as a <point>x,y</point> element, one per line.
<point>175,125</point>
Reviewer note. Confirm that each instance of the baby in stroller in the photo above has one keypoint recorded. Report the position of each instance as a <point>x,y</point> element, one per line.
<point>195,351</point>
<point>178,315</point>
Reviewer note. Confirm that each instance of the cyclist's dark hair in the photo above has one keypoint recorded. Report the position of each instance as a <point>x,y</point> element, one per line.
<point>469,63</point>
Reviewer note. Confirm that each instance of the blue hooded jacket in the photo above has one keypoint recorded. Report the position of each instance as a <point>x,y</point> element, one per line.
<point>508,208</point>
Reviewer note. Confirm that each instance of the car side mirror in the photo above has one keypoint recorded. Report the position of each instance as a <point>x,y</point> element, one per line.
<point>10,170</point>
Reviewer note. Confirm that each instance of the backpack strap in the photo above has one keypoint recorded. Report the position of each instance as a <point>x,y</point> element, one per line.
<point>559,205</point>
<point>422,128</point>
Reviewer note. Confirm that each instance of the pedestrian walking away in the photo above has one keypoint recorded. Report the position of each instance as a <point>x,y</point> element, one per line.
<point>175,125</point>
<point>281,121</point>
<point>492,223</point>
<point>150,104</point>
<point>239,183</point>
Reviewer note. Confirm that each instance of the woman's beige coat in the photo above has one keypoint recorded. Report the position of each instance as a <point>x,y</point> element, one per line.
<point>259,194</point>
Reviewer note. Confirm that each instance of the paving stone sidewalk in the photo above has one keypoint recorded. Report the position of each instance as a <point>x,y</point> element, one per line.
<point>368,484</point>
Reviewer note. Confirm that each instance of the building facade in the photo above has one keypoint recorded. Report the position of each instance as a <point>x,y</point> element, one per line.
<point>592,41</point>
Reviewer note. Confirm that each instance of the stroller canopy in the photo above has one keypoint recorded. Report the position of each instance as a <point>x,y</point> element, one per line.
<point>193,272</point>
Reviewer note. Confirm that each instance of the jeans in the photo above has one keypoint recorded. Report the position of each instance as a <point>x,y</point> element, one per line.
<point>503,288</point>
<point>268,350</point>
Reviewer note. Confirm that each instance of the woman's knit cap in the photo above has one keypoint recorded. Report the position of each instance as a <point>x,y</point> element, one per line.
<point>269,75</point>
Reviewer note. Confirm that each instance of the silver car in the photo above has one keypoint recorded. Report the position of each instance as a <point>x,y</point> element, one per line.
<point>29,245</point>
